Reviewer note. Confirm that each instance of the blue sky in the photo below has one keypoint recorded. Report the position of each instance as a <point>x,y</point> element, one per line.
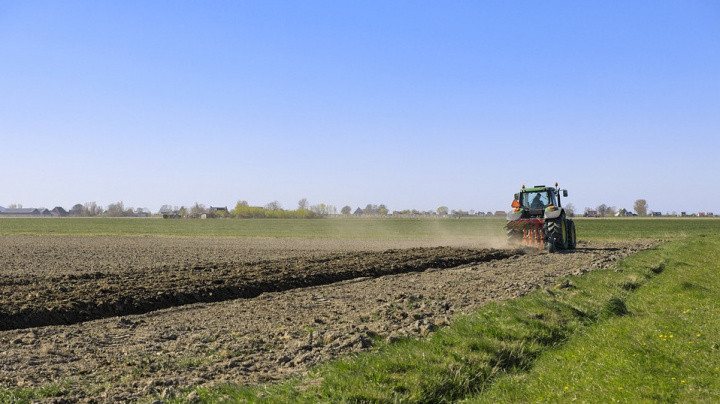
<point>413,104</point>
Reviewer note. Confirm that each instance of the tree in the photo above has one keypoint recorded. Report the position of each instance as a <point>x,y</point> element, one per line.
<point>611,210</point>
<point>274,205</point>
<point>117,210</point>
<point>382,210</point>
<point>641,207</point>
<point>443,210</point>
<point>92,209</point>
<point>76,210</point>
<point>570,209</point>
<point>602,209</point>
<point>370,209</point>
<point>303,204</point>
<point>197,210</point>
<point>346,210</point>
<point>15,206</point>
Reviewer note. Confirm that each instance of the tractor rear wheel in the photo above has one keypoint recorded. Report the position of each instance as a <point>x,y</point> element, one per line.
<point>514,236</point>
<point>557,234</point>
<point>572,239</point>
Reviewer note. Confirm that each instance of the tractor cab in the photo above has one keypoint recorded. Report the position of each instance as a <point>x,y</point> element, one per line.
<point>537,199</point>
<point>533,201</point>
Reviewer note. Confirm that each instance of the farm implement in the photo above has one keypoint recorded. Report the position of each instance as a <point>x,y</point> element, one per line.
<point>538,219</point>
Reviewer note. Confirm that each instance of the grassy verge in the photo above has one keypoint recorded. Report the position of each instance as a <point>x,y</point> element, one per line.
<point>666,349</point>
<point>599,332</point>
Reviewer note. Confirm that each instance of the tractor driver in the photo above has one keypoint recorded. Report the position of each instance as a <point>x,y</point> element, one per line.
<point>536,202</point>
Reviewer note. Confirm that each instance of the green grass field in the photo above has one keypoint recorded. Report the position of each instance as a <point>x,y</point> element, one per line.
<point>368,228</point>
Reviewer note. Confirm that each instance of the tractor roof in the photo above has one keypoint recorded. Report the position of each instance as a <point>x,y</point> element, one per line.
<point>536,189</point>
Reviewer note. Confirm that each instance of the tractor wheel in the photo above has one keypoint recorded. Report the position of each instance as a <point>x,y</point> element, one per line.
<point>514,236</point>
<point>557,234</point>
<point>572,239</point>
<point>552,244</point>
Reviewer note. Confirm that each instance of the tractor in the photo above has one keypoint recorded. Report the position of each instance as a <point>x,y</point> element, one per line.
<point>539,220</point>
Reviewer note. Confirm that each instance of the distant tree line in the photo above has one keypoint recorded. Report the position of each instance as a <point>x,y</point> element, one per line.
<point>274,210</point>
<point>305,210</point>
<point>118,209</point>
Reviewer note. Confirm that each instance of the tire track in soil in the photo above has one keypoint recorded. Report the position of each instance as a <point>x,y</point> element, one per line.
<point>69,299</point>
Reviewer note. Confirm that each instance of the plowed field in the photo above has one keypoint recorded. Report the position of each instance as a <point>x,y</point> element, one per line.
<point>121,318</point>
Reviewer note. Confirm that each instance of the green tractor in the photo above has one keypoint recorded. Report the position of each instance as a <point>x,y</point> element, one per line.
<point>539,220</point>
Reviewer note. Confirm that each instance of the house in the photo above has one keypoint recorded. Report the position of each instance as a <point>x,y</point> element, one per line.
<point>500,213</point>
<point>683,214</point>
<point>655,213</point>
<point>1,208</point>
<point>26,212</point>
<point>58,211</point>
<point>591,213</point>
<point>623,212</point>
<point>358,212</point>
<point>214,209</point>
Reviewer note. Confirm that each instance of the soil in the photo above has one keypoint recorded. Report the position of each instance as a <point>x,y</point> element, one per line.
<point>238,311</point>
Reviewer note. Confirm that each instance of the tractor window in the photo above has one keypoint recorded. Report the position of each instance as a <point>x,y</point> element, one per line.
<point>536,200</point>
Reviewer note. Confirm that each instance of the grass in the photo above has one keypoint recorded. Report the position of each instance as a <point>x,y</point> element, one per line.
<point>346,228</point>
<point>666,349</point>
<point>26,395</point>
<point>647,332</point>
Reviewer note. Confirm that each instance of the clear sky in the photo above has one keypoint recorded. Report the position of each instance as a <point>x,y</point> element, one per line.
<point>414,104</point>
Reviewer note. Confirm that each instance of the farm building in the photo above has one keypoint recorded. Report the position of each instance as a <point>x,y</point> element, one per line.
<point>58,211</point>
<point>358,212</point>
<point>218,211</point>
<point>623,212</point>
<point>655,213</point>
<point>500,213</point>
<point>591,213</point>
<point>26,212</point>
